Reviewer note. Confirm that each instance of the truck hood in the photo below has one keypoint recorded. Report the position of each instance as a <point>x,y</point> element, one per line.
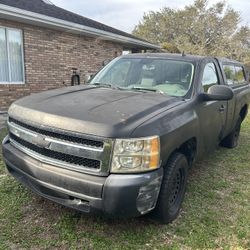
<point>92,110</point>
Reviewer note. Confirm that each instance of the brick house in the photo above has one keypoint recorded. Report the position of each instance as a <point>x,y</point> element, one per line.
<point>40,43</point>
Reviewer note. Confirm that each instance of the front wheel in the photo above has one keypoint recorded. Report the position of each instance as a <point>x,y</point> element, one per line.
<point>173,188</point>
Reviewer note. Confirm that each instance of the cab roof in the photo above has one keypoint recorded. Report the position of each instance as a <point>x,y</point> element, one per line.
<point>184,57</point>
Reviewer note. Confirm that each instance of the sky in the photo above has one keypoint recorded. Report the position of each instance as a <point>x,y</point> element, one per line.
<point>125,14</point>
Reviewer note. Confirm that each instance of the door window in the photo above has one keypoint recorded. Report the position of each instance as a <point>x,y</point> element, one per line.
<point>210,77</point>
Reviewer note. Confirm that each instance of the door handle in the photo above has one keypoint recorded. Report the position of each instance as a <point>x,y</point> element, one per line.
<point>222,108</point>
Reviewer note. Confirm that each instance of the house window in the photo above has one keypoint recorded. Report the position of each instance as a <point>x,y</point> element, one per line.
<point>11,56</point>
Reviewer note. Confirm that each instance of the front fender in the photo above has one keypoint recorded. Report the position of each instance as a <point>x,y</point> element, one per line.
<point>174,127</point>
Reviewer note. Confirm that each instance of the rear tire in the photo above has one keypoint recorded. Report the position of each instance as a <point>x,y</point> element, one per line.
<point>232,140</point>
<point>173,189</point>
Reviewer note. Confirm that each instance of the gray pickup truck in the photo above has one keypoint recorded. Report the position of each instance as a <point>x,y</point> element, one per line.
<point>122,145</point>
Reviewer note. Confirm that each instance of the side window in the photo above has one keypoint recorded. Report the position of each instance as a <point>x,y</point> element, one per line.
<point>239,75</point>
<point>234,74</point>
<point>210,77</point>
<point>229,71</point>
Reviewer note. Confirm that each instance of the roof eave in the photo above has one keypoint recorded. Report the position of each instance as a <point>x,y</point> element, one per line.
<point>16,14</point>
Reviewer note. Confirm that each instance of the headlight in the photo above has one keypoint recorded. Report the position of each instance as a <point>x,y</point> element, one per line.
<point>136,155</point>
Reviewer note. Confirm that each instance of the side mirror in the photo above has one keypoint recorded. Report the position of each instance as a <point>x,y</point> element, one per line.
<point>218,93</point>
<point>88,77</point>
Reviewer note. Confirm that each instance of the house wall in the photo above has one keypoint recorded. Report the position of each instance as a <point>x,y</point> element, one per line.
<point>49,57</point>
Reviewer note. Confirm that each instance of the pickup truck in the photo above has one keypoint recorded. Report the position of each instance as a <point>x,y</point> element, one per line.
<point>123,144</point>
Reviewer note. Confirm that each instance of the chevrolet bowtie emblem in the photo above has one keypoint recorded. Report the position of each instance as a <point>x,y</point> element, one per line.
<point>41,142</point>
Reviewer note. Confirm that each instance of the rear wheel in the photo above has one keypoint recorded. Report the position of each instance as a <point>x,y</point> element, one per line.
<point>173,188</point>
<point>232,140</point>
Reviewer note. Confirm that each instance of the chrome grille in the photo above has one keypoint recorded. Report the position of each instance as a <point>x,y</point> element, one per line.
<point>57,155</point>
<point>63,137</point>
<point>61,149</point>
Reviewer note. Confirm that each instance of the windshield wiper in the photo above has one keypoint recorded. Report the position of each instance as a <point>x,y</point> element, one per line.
<point>105,85</point>
<point>146,89</point>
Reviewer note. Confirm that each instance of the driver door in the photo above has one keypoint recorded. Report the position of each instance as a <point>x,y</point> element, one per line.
<point>212,114</point>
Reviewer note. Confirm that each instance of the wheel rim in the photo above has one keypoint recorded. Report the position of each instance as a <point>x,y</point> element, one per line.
<point>177,187</point>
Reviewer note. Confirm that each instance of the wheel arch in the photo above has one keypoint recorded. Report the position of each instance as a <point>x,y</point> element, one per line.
<point>188,149</point>
<point>243,112</point>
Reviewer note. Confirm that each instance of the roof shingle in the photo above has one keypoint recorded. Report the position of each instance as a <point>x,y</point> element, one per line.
<point>40,7</point>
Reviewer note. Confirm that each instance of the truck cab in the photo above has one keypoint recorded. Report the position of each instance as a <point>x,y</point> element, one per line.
<point>123,144</point>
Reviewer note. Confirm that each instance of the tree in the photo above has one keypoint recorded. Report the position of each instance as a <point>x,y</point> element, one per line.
<point>200,28</point>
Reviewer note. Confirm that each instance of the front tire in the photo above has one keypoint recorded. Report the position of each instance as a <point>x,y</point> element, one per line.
<point>173,188</point>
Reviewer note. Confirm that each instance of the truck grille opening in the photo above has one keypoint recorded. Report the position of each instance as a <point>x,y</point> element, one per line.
<point>71,159</point>
<point>71,150</point>
<point>59,136</point>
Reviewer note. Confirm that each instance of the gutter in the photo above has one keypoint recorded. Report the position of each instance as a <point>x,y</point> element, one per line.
<point>17,14</point>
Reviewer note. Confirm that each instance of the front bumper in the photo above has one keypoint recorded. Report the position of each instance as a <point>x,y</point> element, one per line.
<point>115,196</point>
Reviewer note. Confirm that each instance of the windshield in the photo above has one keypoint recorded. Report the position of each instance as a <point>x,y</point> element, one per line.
<point>158,75</point>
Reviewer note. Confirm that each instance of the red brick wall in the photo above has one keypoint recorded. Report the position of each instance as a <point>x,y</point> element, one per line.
<point>49,57</point>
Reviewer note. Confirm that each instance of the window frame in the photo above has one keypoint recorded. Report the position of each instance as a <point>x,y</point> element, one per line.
<point>8,55</point>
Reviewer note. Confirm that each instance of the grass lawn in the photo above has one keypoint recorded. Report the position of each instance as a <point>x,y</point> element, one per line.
<point>215,214</point>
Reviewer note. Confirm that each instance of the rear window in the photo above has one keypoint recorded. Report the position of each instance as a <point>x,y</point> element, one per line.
<point>234,74</point>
